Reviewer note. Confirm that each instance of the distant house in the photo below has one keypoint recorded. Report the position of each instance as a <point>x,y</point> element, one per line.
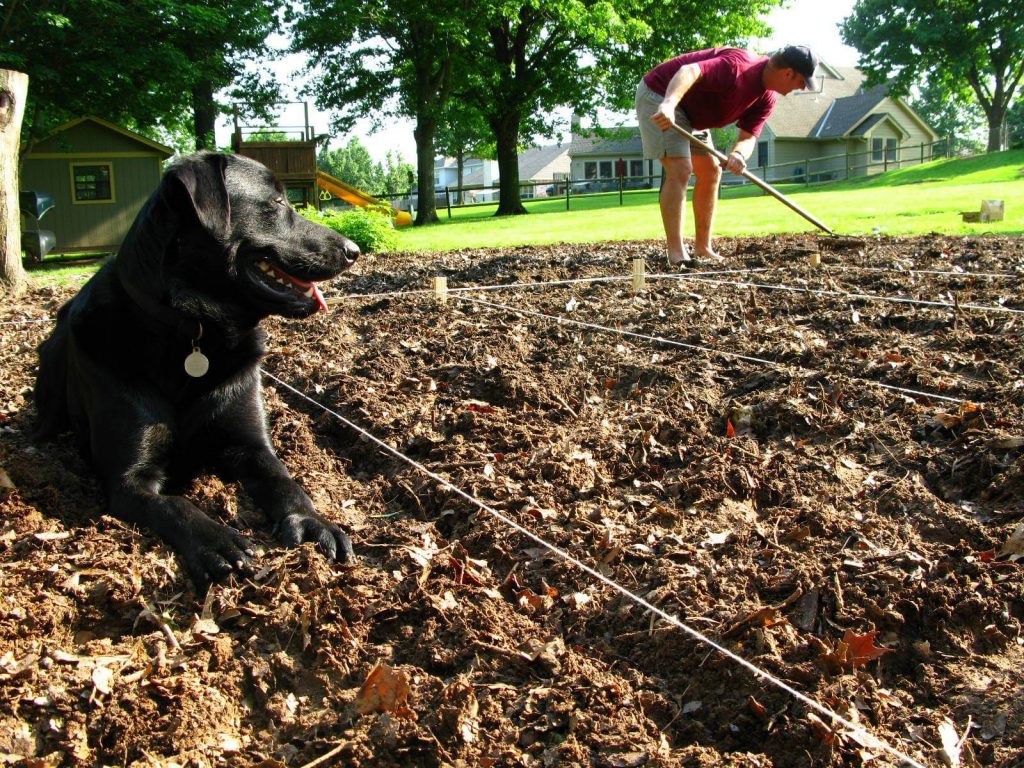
<point>99,175</point>
<point>842,130</point>
<point>543,165</point>
<point>601,160</point>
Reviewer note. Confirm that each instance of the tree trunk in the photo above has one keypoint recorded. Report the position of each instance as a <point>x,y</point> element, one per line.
<point>506,134</point>
<point>996,130</point>
<point>426,212</point>
<point>204,115</point>
<point>13,91</point>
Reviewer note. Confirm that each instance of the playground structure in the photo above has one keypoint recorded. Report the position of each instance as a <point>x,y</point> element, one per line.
<point>290,152</point>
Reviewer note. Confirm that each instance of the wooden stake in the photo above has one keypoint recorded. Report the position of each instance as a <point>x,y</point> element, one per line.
<point>814,259</point>
<point>441,289</point>
<point>638,275</point>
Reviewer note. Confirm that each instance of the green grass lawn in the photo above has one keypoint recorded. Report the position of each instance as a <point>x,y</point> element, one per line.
<point>915,200</point>
<point>910,201</point>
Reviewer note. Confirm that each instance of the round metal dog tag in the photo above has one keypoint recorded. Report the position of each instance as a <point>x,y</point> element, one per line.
<point>196,364</point>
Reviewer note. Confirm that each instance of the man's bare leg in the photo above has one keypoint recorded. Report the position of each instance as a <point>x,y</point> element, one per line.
<point>673,202</point>
<point>705,201</point>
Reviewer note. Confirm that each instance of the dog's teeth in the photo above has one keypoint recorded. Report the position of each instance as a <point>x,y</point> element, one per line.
<point>309,293</point>
<point>264,266</point>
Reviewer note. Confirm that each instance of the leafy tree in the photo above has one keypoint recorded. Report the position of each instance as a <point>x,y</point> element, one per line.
<point>462,133</point>
<point>1015,124</point>
<point>396,175</point>
<point>953,115</point>
<point>370,54</point>
<point>977,42</point>
<point>533,57</point>
<point>352,164</point>
<point>141,64</point>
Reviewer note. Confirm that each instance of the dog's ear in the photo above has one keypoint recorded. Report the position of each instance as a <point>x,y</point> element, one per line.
<point>203,178</point>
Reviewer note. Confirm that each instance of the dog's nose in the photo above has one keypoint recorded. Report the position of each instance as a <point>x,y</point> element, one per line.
<point>351,252</point>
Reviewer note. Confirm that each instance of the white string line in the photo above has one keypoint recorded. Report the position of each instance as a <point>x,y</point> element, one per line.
<point>845,294</point>
<point>540,284</point>
<point>950,273</point>
<point>698,347</point>
<point>675,621</point>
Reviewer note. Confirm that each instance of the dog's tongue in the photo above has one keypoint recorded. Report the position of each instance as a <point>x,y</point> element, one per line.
<point>302,285</point>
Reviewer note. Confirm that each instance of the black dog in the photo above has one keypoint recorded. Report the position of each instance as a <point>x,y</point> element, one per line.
<point>154,364</point>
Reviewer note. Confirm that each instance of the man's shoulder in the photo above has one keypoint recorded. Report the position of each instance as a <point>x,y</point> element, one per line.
<point>740,56</point>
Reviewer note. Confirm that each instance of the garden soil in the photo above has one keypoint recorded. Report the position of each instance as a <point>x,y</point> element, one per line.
<point>773,464</point>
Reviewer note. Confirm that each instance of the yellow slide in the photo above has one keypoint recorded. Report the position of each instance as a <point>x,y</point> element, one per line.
<point>354,196</point>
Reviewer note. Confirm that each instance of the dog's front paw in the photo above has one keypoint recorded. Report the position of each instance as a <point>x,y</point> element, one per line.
<point>299,527</point>
<point>214,552</point>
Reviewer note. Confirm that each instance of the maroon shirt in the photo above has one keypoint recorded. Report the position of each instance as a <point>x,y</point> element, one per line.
<point>729,90</point>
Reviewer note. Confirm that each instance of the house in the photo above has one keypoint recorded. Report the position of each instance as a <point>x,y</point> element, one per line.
<point>595,159</point>
<point>99,176</point>
<point>544,165</point>
<point>839,131</point>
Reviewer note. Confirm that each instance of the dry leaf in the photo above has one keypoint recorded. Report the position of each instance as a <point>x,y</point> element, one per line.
<point>763,617</point>
<point>385,690</point>
<point>861,649</point>
<point>102,677</point>
<point>1013,548</point>
<point>950,752</point>
<point>714,539</point>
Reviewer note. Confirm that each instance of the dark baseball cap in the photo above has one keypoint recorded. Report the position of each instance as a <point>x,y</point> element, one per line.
<point>802,59</point>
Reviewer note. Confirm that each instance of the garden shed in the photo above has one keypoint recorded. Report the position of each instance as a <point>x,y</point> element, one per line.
<point>99,175</point>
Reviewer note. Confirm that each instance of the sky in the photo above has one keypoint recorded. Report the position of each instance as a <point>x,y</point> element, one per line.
<point>808,22</point>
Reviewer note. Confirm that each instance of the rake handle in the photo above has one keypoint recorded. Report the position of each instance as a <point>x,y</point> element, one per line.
<point>753,179</point>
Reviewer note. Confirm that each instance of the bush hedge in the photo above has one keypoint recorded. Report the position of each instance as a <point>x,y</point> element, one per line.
<point>371,229</point>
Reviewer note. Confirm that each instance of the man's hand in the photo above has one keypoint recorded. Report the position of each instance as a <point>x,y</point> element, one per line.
<point>736,163</point>
<point>664,118</point>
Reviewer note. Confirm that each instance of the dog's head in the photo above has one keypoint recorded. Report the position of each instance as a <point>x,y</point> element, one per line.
<point>218,238</point>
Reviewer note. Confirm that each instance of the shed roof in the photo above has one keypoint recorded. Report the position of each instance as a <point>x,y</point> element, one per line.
<point>48,142</point>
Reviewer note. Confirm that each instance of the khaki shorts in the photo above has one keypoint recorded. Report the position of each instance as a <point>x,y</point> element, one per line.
<point>658,143</point>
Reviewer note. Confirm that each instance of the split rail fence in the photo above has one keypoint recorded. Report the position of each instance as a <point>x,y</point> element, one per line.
<point>807,171</point>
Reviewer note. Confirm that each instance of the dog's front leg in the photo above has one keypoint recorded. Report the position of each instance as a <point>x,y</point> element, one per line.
<point>241,450</point>
<point>273,490</point>
<point>131,461</point>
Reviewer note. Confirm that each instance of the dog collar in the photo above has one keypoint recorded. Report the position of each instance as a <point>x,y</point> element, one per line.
<point>196,363</point>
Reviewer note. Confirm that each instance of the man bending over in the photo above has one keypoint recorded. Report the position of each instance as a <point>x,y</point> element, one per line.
<point>710,89</point>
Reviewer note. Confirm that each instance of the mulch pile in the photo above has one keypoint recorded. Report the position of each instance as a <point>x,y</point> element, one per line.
<point>783,479</point>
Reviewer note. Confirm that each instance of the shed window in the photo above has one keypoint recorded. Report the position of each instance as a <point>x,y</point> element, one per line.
<point>92,183</point>
<point>590,170</point>
<point>636,167</point>
<point>298,197</point>
<point>877,149</point>
<point>890,150</point>
<point>762,154</point>
<point>606,169</point>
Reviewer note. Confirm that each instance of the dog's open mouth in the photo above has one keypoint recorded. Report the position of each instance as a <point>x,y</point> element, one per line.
<point>275,275</point>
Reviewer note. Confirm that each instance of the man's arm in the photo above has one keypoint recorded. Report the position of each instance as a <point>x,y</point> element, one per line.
<point>742,149</point>
<point>682,81</point>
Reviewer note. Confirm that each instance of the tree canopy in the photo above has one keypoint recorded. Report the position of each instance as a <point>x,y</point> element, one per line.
<point>509,61</point>
<point>142,64</point>
<point>374,55</point>
<point>944,43</point>
<point>353,164</point>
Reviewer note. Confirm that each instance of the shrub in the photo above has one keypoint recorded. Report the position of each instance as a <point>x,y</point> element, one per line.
<point>371,229</point>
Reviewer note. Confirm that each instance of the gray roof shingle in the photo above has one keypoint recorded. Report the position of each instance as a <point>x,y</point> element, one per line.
<point>847,112</point>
